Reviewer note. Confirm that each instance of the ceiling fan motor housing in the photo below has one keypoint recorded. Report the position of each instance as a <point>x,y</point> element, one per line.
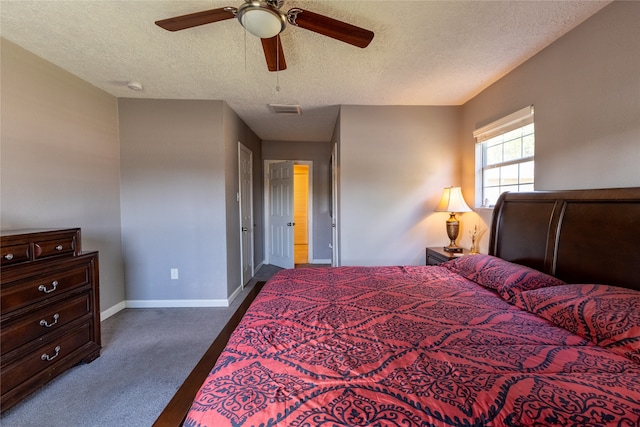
<point>262,18</point>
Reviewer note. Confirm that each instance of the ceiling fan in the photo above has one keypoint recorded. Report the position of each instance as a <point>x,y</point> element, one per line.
<point>264,19</point>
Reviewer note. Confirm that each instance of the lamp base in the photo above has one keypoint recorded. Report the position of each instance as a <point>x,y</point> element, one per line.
<point>453,227</point>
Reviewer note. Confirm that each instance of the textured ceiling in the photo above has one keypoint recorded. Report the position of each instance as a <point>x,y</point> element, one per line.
<point>423,53</point>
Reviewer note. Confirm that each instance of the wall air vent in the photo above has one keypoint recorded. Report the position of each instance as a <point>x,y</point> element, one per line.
<point>292,110</point>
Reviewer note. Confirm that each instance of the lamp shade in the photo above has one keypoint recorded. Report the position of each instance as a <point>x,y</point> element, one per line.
<point>452,201</point>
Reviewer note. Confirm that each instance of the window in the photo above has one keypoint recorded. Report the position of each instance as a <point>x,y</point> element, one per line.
<point>505,156</point>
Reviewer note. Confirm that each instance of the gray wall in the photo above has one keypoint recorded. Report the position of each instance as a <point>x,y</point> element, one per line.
<point>151,183</point>
<point>236,131</point>
<point>319,153</point>
<point>394,163</point>
<point>60,162</point>
<point>173,199</point>
<point>179,167</point>
<point>586,91</point>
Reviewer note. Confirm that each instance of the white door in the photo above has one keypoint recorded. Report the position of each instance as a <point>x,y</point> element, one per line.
<point>281,214</point>
<point>246,212</point>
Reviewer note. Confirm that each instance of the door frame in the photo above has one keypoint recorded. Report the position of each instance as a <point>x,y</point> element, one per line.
<point>267,224</point>
<point>335,231</point>
<point>241,148</point>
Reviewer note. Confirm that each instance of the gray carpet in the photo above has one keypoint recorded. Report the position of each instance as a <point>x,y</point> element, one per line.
<point>146,355</point>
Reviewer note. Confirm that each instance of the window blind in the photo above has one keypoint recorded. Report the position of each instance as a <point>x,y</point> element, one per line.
<point>508,123</point>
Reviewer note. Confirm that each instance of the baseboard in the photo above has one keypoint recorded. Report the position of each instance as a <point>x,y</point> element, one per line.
<point>234,295</point>
<point>320,261</point>
<point>112,310</point>
<point>177,303</point>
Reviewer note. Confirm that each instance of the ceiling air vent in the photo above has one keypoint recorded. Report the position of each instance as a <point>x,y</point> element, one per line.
<point>292,110</point>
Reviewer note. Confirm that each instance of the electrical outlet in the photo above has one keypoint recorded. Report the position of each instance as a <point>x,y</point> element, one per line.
<point>174,274</point>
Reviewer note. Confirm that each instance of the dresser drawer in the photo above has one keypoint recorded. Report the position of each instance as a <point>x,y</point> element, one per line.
<point>44,320</point>
<point>44,357</point>
<point>29,245</point>
<point>31,290</point>
<point>14,254</point>
<point>63,245</point>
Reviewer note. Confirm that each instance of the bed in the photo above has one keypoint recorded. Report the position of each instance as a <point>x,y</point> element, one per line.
<point>543,330</point>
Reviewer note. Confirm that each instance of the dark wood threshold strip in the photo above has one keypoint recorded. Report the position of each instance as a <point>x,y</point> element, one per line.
<point>176,410</point>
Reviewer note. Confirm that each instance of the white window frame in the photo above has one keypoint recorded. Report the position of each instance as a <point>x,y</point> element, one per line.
<point>513,121</point>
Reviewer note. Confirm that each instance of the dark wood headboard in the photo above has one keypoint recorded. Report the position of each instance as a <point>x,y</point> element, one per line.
<point>579,236</point>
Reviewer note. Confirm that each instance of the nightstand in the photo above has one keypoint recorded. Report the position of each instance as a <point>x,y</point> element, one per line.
<point>437,255</point>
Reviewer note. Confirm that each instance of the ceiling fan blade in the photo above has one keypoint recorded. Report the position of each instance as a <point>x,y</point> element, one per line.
<point>194,19</point>
<point>273,53</point>
<point>330,27</point>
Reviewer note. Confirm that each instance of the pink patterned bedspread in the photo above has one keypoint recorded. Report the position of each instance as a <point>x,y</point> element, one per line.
<point>407,346</point>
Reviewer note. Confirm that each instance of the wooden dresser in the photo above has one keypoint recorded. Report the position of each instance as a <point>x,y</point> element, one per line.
<point>50,311</point>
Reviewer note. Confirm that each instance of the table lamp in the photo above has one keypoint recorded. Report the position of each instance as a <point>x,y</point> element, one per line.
<point>452,202</point>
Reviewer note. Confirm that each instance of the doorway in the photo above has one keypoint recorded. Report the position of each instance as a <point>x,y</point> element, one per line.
<point>301,214</point>
<point>301,208</point>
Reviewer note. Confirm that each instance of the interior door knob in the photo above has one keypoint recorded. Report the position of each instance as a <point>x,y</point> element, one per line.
<point>245,229</point>
<point>291,224</point>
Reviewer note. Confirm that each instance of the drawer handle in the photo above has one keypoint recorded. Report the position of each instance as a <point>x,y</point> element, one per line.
<point>43,288</point>
<point>48,325</point>
<point>48,358</point>
<point>59,248</point>
<point>8,257</point>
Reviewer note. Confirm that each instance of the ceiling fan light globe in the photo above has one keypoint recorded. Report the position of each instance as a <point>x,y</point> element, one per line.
<point>261,20</point>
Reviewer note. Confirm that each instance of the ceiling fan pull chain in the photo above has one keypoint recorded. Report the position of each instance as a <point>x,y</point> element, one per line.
<point>278,64</point>
<point>245,50</point>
